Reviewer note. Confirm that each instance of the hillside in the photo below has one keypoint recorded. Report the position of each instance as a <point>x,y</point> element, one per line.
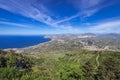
<point>74,65</point>
<point>65,59</point>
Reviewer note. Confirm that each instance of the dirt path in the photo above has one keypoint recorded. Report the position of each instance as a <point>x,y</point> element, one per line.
<point>97,60</point>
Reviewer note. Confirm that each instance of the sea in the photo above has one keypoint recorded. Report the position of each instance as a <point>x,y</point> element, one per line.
<point>15,41</point>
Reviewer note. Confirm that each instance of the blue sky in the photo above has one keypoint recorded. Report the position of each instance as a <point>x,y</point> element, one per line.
<point>34,17</point>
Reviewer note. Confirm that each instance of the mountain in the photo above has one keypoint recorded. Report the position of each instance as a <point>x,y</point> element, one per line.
<point>109,35</point>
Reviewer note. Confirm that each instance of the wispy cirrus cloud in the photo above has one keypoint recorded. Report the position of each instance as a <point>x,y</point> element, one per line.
<point>67,19</point>
<point>82,14</point>
<point>15,24</point>
<point>86,8</point>
<point>90,7</point>
<point>31,9</point>
<point>106,27</point>
<point>27,8</point>
<point>40,12</point>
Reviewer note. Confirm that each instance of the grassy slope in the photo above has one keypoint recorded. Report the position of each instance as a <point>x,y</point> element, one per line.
<point>60,66</point>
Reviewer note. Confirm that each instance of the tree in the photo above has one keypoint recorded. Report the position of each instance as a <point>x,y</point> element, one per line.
<point>88,71</point>
<point>109,70</point>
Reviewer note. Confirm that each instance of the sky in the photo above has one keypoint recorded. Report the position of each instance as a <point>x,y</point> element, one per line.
<point>34,17</point>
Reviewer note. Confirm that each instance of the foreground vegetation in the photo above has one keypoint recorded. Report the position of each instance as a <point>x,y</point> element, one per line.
<point>73,65</point>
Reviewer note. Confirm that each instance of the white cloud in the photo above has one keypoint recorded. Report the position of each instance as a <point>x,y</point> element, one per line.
<point>85,4</point>
<point>26,8</point>
<point>86,8</point>
<point>83,14</point>
<point>106,27</point>
<point>31,9</point>
<point>15,24</point>
<point>68,18</point>
<point>37,11</point>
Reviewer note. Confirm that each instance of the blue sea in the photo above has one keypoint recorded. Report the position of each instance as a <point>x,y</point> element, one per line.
<point>8,41</point>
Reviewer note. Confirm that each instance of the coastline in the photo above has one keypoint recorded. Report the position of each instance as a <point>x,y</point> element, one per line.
<point>53,38</point>
<point>14,49</point>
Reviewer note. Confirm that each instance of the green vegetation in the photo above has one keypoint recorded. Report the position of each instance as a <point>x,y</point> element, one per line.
<point>13,66</point>
<point>74,65</point>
